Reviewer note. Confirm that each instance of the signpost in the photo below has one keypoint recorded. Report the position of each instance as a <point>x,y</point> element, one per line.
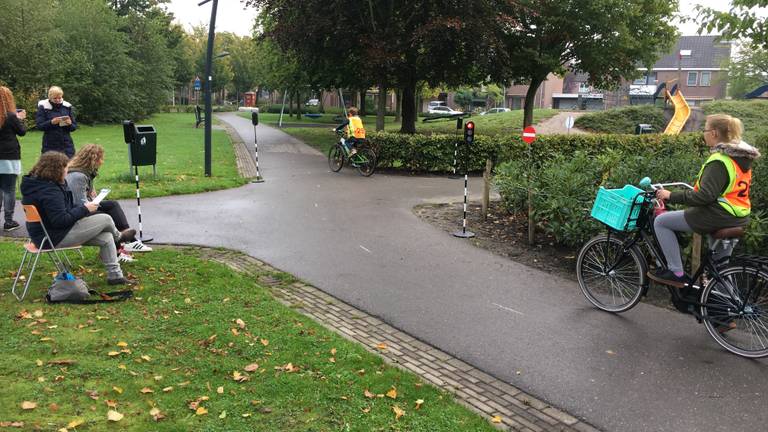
<point>469,138</point>
<point>529,136</point>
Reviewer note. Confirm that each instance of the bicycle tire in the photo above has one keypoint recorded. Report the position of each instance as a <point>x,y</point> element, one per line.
<point>747,333</point>
<point>366,162</point>
<point>623,286</point>
<point>336,158</point>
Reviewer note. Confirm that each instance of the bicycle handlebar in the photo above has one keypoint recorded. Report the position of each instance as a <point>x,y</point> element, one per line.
<point>646,182</point>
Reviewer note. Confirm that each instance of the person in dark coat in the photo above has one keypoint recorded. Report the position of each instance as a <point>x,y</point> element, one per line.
<point>11,125</point>
<point>57,120</point>
<point>69,224</point>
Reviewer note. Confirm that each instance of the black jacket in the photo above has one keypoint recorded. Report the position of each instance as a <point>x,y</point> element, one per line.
<point>56,207</point>
<point>55,137</point>
<point>9,144</point>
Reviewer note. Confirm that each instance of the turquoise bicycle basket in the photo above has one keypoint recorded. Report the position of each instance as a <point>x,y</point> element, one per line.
<point>614,207</point>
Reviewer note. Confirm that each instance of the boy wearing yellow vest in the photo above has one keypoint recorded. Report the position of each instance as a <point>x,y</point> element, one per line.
<point>354,129</point>
<point>720,198</point>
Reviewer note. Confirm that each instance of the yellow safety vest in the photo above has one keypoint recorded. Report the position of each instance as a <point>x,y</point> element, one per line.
<point>735,198</point>
<point>355,128</point>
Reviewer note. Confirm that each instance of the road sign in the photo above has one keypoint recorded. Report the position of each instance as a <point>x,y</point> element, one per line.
<point>469,132</point>
<point>529,134</point>
<point>569,122</point>
<point>198,86</point>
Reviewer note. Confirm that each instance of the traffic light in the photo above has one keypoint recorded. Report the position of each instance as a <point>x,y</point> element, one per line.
<point>469,132</point>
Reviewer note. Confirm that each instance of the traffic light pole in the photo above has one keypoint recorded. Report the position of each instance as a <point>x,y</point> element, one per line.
<point>469,138</point>
<point>208,83</point>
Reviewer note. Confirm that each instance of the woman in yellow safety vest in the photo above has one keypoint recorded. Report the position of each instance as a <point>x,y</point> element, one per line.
<point>720,198</point>
<point>354,129</point>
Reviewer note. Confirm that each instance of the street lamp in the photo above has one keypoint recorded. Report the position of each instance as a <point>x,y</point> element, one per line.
<point>208,82</point>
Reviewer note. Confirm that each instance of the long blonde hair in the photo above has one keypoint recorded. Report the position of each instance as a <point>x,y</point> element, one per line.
<point>7,104</point>
<point>88,159</point>
<point>728,128</point>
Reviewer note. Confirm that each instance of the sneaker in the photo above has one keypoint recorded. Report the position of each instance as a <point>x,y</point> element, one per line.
<point>124,257</point>
<point>128,235</point>
<point>136,246</point>
<point>666,277</point>
<point>11,225</point>
<point>121,281</point>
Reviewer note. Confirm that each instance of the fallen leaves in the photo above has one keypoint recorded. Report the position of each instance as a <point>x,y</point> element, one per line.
<point>16,424</point>
<point>496,419</point>
<point>146,390</point>
<point>114,416</point>
<point>398,412</point>
<point>28,405</point>
<point>156,414</point>
<point>264,342</point>
<point>122,344</point>
<point>382,346</point>
<point>368,394</point>
<point>201,411</point>
<point>75,423</point>
<point>118,390</point>
<point>61,362</point>
<point>419,403</point>
<point>251,367</point>
<point>392,393</point>
<point>237,376</point>
<point>113,353</point>
<point>240,323</point>
<point>220,390</point>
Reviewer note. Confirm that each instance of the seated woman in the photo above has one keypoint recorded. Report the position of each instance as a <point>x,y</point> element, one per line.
<point>82,170</point>
<point>720,198</point>
<point>69,223</point>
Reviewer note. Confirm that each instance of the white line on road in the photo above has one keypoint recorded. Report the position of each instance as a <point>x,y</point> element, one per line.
<point>508,309</point>
<point>363,248</point>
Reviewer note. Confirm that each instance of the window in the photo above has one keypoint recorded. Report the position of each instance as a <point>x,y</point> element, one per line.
<point>706,78</point>
<point>583,88</point>
<point>647,79</point>
<point>693,78</point>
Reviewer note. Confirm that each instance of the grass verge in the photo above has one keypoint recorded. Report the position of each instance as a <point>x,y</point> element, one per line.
<point>179,158</point>
<point>201,347</point>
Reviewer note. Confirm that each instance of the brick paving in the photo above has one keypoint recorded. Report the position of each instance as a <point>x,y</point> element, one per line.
<point>472,387</point>
<point>245,164</point>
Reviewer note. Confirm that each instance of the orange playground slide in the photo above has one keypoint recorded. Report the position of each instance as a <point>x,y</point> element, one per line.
<point>682,112</point>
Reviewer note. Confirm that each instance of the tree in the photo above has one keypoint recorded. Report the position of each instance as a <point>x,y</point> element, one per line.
<point>748,70</point>
<point>607,39</point>
<point>741,21</point>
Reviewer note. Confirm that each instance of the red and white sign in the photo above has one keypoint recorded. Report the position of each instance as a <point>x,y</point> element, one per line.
<point>529,134</point>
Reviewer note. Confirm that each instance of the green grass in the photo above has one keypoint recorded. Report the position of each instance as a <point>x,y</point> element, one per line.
<point>184,320</point>
<point>179,158</point>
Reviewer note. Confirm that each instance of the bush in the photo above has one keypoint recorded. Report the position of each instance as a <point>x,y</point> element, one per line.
<point>623,120</point>
<point>753,113</point>
<point>275,109</point>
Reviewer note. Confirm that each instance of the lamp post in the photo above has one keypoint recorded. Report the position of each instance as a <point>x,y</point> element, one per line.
<point>208,83</point>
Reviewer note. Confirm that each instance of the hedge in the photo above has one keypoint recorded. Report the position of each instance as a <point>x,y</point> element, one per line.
<point>567,170</point>
<point>623,120</point>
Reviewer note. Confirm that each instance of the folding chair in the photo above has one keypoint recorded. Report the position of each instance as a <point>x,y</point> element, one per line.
<point>46,247</point>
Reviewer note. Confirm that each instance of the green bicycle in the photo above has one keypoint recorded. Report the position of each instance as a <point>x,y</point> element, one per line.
<point>364,159</point>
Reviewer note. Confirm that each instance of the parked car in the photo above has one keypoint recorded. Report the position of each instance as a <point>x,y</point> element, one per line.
<point>313,102</point>
<point>443,110</point>
<point>495,110</point>
<point>433,104</point>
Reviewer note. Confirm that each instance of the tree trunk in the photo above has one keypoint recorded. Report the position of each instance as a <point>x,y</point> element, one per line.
<point>409,110</point>
<point>398,105</point>
<point>256,99</point>
<point>298,105</point>
<point>530,101</point>
<point>290,105</point>
<point>321,102</point>
<point>362,103</point>
<point>382,108</point>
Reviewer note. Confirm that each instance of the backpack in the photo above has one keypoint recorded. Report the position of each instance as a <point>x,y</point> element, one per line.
<point>68,288</point>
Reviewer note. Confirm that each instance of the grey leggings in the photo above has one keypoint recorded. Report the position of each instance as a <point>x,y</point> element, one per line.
<point>665,226</point>
<point>8,193</point>
<point>97,230</point>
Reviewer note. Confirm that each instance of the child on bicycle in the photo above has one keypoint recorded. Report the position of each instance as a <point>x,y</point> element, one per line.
<point>720,198</point>
<point>354,130</point>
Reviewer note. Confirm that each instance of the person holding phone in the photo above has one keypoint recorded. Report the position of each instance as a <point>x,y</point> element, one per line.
<point>11,126</point>
<point>56,119</point>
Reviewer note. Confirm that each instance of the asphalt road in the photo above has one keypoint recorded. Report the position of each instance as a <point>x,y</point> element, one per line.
<point>356,238</point>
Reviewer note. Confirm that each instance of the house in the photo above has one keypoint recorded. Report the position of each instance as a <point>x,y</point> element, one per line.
<point>515,95</point>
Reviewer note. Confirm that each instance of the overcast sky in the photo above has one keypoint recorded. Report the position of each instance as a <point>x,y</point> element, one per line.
<point>233,17</point>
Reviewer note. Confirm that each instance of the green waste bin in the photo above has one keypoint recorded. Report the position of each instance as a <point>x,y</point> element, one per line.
<point>144,146</point>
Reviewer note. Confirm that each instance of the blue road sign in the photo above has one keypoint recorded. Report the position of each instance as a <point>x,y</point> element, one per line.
<point>198,86</point>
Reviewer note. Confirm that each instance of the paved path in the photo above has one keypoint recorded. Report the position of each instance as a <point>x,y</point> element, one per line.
<point>556,124</point>
<point>357,239</point>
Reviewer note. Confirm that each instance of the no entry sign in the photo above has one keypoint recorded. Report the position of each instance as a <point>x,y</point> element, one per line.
<point>529,134</point>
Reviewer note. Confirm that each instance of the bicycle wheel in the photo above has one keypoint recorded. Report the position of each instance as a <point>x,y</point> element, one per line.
<point>620,288</point>
<point>365,160</point>
<point>336,158</point>
<point>736,312</point>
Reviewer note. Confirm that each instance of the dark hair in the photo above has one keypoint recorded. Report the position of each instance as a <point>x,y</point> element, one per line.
<point>50,166</point>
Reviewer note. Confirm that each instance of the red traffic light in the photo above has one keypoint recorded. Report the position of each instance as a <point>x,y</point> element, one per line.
<point>470,125</point>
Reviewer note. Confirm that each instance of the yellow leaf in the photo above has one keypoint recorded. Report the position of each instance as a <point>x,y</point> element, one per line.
<point>146,357</point>
<point>333,351</point>
<point>234,331</point>
<point>201,411</point>
<point>114,416</point>
<point>220,390</point>
<point>367,410</point>
<point>247,415</point>
<point>158,377</point>
<point>392,393</point>
<point>156,414</point>
<point>240,323</point>
<point>75,423</point>
<point>39,362</point>
<point>332,360</point>
<point>382,346</point>
<point>223,415</point>
<point>368,394</point>
<point>264,342</point>
<point>111,403</point>
<point>45,339</point>
<point>251,367</point>
<point>146,390</point>
<point>118,390</point>
<point>187,300</point>
<point>122,366</point>
<point>38,313</point>
<point>27,405</point>
<point>496,419</point>
<point>167,389</point>
<point>419,403</point>
<point>398,412</point>
<point>122,344</point>
<point>113,353</point>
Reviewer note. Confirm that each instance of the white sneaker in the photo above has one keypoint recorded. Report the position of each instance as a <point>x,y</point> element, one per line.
<point>136,246</point>
<point>124,257</point>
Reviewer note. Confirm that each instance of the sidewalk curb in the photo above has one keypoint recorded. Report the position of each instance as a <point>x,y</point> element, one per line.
<point>482,393</point>
<point>245,164</point>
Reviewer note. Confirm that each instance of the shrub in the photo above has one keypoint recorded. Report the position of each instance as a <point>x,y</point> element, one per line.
<point>623,120</point>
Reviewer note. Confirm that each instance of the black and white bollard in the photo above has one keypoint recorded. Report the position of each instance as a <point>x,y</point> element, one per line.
<point>459,124</point>
<point>469,137</point>
<point>138,208</point>
<point>255,121</point>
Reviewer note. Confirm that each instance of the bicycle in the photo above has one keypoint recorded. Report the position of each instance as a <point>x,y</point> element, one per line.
<point>364,159</point>
<point>731,300</point>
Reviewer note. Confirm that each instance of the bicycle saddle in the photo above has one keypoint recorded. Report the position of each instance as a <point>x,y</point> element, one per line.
<point>727,233</point>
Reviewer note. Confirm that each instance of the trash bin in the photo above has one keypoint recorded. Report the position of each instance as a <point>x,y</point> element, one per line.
<point>144,145</point>
<point>643,128</point>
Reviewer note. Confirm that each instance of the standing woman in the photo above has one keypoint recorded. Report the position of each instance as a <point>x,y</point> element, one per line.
<point>55,118</point>
<point>10,153</point>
